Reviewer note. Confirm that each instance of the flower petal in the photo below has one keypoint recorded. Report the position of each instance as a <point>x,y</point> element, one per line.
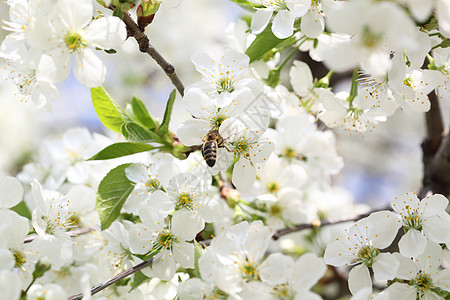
<point>359,278</point>
<point>385,266</point>
<point>75,16</point>
<point>243,175</point>
<point>283,24</point>
<point>308,269</point>
<point>11,192</point>
<point>433,205</point>
<point>106,33</point>
<point>186,224</point>
<point>260,20</point>
<point>89,69</point>
<point>276,269</point>
<point>412,244</point>
<point>184,254</point>
<point>164,266</point>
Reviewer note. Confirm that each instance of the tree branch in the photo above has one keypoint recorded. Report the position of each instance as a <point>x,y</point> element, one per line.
<point>75,233</point>
<point>114,279</point>
<point>276,236</point>
<point>436,168</point>
<point>144,46</point>
<point>320,223</point>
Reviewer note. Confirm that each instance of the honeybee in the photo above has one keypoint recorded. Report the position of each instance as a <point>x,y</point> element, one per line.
<point>212,143</point>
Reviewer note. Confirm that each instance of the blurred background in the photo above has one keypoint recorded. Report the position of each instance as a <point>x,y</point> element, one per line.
<point>378,166</point>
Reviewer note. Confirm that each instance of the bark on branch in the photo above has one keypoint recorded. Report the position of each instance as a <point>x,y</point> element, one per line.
<point>144,46</point>
<point>436,152</point>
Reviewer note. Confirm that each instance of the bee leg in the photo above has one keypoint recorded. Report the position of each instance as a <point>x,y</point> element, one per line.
<point>226,147</point>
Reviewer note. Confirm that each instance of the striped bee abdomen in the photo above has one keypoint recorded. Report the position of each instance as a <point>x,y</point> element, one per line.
<point>209,152</point>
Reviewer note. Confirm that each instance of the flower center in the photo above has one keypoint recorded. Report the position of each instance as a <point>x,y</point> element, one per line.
<point>412,220</point>
<point>423,282</point>
<point>184,200</point>
<point>272,187</point>
<point>217,120</point>
<point>152,185</point>
<point>166,239</point>
<point>275,210</point>
<point>19,257</point>
<point>367,254</point>
<point>241,147</point>
<point>289,153</point>
<point>370,39</point>
<point>283,292</point>
<point>409,82</point>
<point>249,271</point>
<point>274,4</point>
<point>225,84</point>
<point>74,41</point>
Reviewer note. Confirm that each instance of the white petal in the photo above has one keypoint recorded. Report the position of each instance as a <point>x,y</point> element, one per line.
<point>164,266</point>
<point>359,278</point>
<point>308,269</point>
<point>443,15</point>
<point>243,175</point>
<point>260,151</point>
<point>312,25</point>
<point>283,24</point>
<point>54,66</point>
<point>137,173</point>
<point>431,258</point>
<point>106,33</point>
<point>400,291</point>
<point>192,131</point>
<point>160,201</point>
<point>75,16</point>
<point>260,20</point>
<point>276,269</point>
<point>302,294</point>
<point>337,254</point>
<point>385,226</point>
<point>407,269</point>
<point>442,280</point>
<point>385,266</point>
<point>89,69</point>
<point>436,228</point>
<point>301,78</point>
<point>412,244</point>
<point>7,260</point>
<point>184,254</point>
<point>186,224</point>
<point>433,205</point>
<point>10,284</point>
<point>11,192</point>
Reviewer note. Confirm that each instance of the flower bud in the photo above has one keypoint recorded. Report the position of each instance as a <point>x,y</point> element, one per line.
<point>42,266</point>
<point>146,12</point>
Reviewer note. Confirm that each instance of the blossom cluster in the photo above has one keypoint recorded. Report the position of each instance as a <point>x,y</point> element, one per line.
<point>45,34</point>
<point>203,203</point>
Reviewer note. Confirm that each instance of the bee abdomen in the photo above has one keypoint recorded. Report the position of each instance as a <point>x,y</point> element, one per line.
<point>210,153</point>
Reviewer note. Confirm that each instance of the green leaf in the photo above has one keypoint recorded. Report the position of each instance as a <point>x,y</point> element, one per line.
<point>197,254</point>
<point>109,112</point>
<point>139,278</point>
<point>445,43</point>
<point>110,51</point>
<point>118,12</point>
<point>247,5</point>
<point>142,115</point>
<point>264,42</point>
<point>121,149</point>
<point>164,128</point>
<point>112,193</point>
<point>22,209</point>
<point>135,133</point>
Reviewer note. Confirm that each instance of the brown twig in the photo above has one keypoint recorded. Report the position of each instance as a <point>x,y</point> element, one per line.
<point>277,235</point>
<point>114,279</point>
<point>144,46</point>
<point>436,164</point>
<point>75,233</point>
<point>320,223</point>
